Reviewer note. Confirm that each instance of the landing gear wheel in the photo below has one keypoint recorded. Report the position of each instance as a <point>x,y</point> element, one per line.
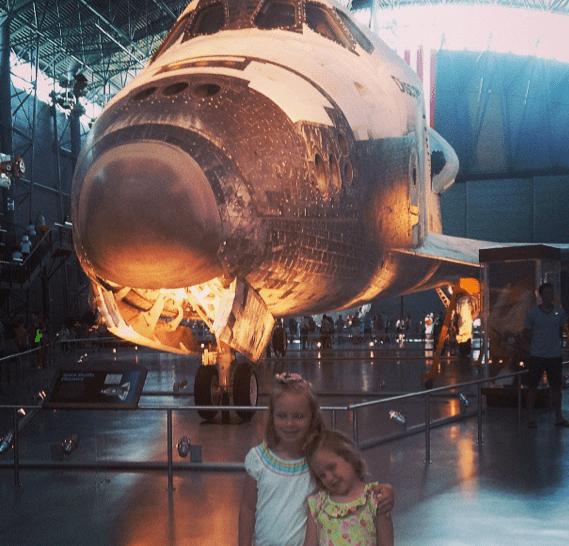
<point>465,348</point>
<point>206,390</point>
<point>245,389</point>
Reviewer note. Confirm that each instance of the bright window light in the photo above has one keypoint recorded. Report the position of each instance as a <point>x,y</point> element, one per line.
<point>473,28</point>
<point>23,76</point>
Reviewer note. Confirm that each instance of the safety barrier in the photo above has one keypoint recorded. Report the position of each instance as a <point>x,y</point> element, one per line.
<point>353,411</point>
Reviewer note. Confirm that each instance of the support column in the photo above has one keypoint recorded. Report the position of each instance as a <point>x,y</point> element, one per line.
<point>7,221</point>
<point>75,126</point>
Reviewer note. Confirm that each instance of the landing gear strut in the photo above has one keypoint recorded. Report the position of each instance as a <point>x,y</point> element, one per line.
<point>220,379</point>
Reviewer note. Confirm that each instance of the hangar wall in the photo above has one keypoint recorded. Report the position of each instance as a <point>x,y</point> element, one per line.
<point>533,210</point>
<point>504,113</point>
<point>507,117</point>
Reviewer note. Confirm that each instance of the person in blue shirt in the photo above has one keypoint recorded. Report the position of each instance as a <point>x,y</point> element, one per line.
<point>543,328</point>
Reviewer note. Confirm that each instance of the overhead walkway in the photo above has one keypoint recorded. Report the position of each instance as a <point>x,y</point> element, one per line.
<point>50,252</point>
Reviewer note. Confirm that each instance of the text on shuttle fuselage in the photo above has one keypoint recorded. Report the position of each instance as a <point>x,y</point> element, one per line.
<point>405,87</point>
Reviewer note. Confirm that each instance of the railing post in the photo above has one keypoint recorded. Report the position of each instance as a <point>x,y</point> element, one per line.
<point>355,427</point>
<point>16,448</point>
<point>169,435</point>
<point>428,428</point>
<point>519,378</point>
<point>479,413</point>
<point>333,419</point>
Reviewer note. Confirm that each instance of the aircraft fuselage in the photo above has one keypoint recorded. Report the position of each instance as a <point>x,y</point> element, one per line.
<point>293,157</point>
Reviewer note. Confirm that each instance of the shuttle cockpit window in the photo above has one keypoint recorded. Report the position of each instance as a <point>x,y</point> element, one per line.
<point>358,35</point>
<point>208,19</point>
<point>276,14</point>
<point>324,22</point>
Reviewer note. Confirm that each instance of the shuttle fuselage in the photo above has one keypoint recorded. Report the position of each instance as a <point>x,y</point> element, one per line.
<point>272,159</point>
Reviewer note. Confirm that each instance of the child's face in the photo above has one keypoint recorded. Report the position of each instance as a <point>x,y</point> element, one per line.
<point>334,473</point>
<point>292,418</point>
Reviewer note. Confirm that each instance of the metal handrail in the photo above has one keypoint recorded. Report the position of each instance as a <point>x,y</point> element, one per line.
<point>428,424</point>
<point>170,466</point>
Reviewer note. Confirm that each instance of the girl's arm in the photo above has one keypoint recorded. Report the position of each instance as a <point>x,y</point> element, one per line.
<point>247,512</point>
<point>311,532</point>
<point>385,497</point>
<point>384,530</point>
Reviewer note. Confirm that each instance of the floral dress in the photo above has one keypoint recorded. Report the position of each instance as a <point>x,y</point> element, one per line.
<point>343,524</point>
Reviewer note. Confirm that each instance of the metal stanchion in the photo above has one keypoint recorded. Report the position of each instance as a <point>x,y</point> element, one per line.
<point>355,427</point>
<point>479,413</point>
<point>170,466</point>
<point>519,401</point>
<point>333,423</point>
<point>428,428</point>
<point>16,448</point>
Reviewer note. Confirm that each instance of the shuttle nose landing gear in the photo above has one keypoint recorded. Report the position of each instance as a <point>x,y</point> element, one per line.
<point>221,379</point>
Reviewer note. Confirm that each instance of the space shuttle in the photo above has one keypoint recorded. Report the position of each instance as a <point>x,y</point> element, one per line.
<point>273,159</point>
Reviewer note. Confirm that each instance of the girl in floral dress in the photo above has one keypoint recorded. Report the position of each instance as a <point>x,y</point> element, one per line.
<point>344,512</point>
<point>278,480</point>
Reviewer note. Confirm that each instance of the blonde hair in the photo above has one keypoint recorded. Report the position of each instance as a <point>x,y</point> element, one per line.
<point>341,445</point>
<point>292,383</point>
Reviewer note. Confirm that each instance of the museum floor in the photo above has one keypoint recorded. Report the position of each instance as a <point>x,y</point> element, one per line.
<point>113,489</point>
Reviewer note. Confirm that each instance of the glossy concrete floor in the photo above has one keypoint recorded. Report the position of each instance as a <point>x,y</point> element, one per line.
<point>511,489</point>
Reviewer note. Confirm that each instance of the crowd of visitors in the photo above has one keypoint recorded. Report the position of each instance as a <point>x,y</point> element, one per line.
<point>18,335</point>
<point>359,327</point>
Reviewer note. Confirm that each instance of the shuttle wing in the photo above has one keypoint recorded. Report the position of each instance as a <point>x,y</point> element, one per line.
<point>442,259</point>
<point>452,249</point>
<point>445,258</point>
<point>465,251</point>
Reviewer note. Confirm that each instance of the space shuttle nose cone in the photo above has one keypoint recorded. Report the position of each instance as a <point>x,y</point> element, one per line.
<point>147,217</point>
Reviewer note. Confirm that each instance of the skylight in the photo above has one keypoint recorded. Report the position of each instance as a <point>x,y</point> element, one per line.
<point>472,28</point>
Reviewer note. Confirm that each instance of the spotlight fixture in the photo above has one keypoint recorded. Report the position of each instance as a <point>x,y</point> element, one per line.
<point>184,446</point>
<point>397,417</point>
<point>10,169</point>
<point>6,443</point>
<point>464,402</point>
<point>179,385</point>
<point>69,445</point>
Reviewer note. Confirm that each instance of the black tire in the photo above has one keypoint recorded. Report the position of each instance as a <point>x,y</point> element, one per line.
<point>279,341</point>
<point>245,389</point>
<point>206,390</point>
<point>465,348</point>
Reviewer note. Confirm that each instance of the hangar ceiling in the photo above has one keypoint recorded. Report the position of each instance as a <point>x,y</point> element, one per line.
<point>106,40</point>
<point>109,40</point>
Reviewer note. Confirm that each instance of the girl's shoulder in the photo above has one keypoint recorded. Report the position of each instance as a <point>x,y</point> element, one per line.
<point>317,502</point>
<point>261,458</point>
<point>321,502</point>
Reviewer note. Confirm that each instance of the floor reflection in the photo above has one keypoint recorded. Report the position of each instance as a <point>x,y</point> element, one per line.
<point>482,485</point>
